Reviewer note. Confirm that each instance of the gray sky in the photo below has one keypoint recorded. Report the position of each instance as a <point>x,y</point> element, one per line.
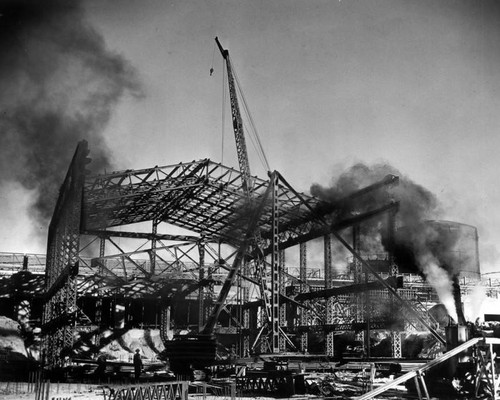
<point>329,83</point>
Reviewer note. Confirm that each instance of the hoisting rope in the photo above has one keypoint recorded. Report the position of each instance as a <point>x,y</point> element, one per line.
<point>250,129</point>
<point>253,133</point>
<point>212,66</point>
<point>223,109</point>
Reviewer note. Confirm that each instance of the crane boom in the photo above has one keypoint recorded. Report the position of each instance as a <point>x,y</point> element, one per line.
<point>241,147</point>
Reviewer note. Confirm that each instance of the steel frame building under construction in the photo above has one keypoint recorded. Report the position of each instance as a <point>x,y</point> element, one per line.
<point>236,247</point>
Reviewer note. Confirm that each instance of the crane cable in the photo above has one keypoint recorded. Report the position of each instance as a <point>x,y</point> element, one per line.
<point>213,57</point>
<point>252,130</point>
<point>223,110</point>
<point>253,133</point>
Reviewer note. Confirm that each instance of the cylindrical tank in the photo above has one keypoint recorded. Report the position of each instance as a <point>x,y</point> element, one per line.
<point>453,244</point>
<point>465,249</point>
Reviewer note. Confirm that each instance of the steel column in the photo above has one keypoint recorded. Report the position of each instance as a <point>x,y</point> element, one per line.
<point>358,278</point>
<point>201,291</point>
<point>327,249</point>
<point>303,288</point>
<point>275,275</point>
<point>100,269</point>
<point>282,292</point>
<point>152,255</point>
<point>246,311</point>
<point>397,351</point>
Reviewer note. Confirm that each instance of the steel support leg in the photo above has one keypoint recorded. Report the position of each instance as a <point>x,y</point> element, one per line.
<point>275,279</point>
<point>304,320</point>
<point>394,271</point>
<point>358,278</point>
<point>152,254</point>
<point>327,248</point>
<point>98,313</point>
<point>282,282</point>
<point>201,292</point>
<point>246,312</point>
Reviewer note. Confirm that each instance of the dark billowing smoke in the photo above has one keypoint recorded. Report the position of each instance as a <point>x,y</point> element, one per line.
<point>58,85</point>
<point>432,252</point>
<point>416,203</point>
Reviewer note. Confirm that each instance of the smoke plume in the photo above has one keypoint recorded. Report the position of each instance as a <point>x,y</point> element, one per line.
<point>59,84</point>
<point>432,252</point>
<point>440,281</point>
<point>417,203</point>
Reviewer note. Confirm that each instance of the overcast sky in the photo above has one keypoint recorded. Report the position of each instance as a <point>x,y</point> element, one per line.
<point>329,83</point>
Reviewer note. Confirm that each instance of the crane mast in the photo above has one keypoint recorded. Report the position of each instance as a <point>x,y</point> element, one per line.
<point>241,147</point>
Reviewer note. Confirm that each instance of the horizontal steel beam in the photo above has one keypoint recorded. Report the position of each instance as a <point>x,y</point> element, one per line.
<point>323,230</point>
<point>393,281</point>
<point>352,326</point>
<point>140,235</point>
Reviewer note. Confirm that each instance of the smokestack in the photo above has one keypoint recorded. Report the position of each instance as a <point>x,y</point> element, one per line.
<point>457,296</point>
<point>59,84</point>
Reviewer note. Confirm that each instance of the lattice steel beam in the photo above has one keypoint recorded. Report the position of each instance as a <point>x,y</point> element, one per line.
<point>327,253</point>
<point>275,268</point>
<point>304,317</point>
<point>62,250</point>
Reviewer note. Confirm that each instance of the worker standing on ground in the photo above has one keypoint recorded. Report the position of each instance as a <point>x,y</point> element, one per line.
<point>137,365</point>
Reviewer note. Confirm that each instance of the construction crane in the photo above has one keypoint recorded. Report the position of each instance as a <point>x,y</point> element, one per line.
<point>198,350</point>
<point>244,165</point>
<point>252,236</point>
<point>241,147</point>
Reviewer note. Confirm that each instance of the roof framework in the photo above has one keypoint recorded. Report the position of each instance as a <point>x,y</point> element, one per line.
<point>203,197</point>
